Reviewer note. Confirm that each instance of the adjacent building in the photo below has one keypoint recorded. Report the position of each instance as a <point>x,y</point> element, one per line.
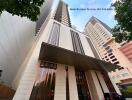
<point>63,66</point>
<point>126,49</point>
<point>108,50</point>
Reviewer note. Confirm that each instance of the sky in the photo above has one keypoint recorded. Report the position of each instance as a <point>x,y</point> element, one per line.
<point>79,18</point>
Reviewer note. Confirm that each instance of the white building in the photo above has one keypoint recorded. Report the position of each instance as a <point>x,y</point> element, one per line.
<point>62,65</point>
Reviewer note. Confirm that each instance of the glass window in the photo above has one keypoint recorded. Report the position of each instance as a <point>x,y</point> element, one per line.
<point>83,90</point>
<point>44,85</point>
<point>54,35</point>
<point>114,59</point>
<point>77,45</point>
<point>125,74</point>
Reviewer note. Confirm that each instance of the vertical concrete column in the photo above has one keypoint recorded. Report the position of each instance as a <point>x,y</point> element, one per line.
<point>115,86</point>
<point>94,86</point>
<point>72,83</point>
<point>102,82</point>
<point>60,83</point>
<point>26,83</point>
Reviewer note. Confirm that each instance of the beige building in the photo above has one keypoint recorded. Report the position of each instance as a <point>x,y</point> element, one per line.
<point>126,49</point>
<point>63,66</point>
<point>108,50</point>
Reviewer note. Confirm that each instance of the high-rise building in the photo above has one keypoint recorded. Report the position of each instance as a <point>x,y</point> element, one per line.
<point>62,14</point>
<point>63,66</point>
<point>108,50</point>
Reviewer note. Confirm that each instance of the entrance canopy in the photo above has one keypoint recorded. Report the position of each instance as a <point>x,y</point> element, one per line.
<point>60,55</point>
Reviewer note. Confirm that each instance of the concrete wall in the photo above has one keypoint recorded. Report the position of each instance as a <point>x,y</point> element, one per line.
<point>17,36</point>
<point>60,83</point>
<point>72,83</point>
<point>65,40</point>
<point>94,86</point>
<point>27,80</point>
<point>126,49</point>
<point>86,46</point>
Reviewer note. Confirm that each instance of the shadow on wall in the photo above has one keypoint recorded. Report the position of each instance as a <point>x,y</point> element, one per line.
<point>17,36</point>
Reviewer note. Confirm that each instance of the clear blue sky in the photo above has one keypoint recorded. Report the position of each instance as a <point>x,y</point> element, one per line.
<point>80,18</point>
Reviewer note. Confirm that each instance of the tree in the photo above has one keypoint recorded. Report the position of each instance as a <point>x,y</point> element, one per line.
<point>23,8</point>
<point>123,30</point>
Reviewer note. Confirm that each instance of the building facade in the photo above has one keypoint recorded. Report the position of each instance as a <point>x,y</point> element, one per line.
<point>108,50</point>
<point>126,50</point>
<point>63,66</point>
<point>62,15</point>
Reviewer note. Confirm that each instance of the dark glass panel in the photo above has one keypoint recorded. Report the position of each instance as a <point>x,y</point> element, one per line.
<point>44,84</point>
<point>83,91</point>
<point>77,45</point>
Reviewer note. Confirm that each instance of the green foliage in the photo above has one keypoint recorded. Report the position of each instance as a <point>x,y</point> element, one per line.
<point>123,30</point>
<point>127,94</point>
<point>23,8</point>
<point>126,91</point>
<point>129,89</point>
